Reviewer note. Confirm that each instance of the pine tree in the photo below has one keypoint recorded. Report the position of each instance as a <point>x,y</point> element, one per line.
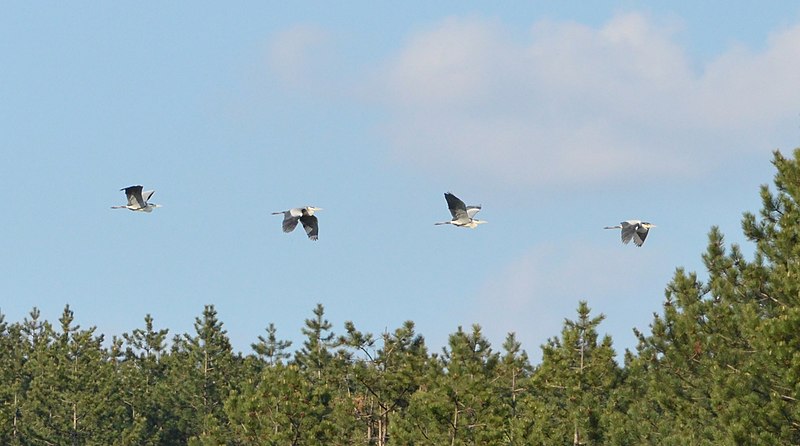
<point>316,355</point>
<point>574,383</point>
<point>304,402</point>
<point>13,354</point>
<point>674,364</point>
<point>720,365</point>
<point>514,387</point>
<point>142,375</point>
<point>281,408</point>
<point>457,403</point>
<point>773,286</point>
<point>71,398</point>
<point>271,349</point>
<point>331,411</point>
<point>384,379</point>
<point>202,372</point>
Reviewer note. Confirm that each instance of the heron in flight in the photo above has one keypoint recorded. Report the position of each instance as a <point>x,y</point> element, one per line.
<point>462,214</point>
<point>303,215</point>
<point>137,200</point>
<point>633,229</point>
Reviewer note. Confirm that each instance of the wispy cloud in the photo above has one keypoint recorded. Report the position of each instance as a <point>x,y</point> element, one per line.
<point>571,103</point>
<point>562,103</point>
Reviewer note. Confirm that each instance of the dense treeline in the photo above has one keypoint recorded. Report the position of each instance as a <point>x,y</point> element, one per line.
<point>721,365</point>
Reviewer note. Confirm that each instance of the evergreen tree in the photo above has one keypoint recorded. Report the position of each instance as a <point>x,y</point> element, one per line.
<point>574,384</point>
<point>306,402</point>
<point>385,379</point>
<point>326,371</point>
<point>675,372</point>
<point>71,398</point>
<point>514,387</point>
<point>202,371</point>
<point>457,403</point>
<point>316,355</point>
<point>142,376</point>
<point>271,349</point>
<point>773,287</point>
<point>719,366</point>
<point>281,408</point>
<point>13,355</point>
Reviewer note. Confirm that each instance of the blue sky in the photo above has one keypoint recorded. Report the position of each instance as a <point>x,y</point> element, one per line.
<point>559,118</point>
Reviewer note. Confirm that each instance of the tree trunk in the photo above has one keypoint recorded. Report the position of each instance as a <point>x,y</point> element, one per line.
<point>75,424</point>
<point>15,415</point>
<point>455,424</point>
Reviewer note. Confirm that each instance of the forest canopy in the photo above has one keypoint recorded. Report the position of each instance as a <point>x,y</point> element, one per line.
<point>720,364</point>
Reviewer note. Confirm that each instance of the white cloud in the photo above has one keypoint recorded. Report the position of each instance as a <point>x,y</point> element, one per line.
<point>563,104</point>
<point>575,104</point>
<point>741,87</point>
<point>448,66</point>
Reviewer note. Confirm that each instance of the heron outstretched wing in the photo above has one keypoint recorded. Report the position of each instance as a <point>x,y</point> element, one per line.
<point>289,222</point>
<point>457,207</point>
<point>640,235</point>
<point>628,232</point>
<point>290,218</point>
<point>310,225</point>
<point>472,210</point>
<point>147,194</point>
<point>134,194</point>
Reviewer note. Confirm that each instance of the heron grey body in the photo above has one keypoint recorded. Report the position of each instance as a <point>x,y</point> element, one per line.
<point>635,230</point>
<point>138,200</point>
<point>463,215</point>
<point>303,215</point>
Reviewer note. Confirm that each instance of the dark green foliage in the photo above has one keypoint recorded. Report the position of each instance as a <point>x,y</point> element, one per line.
<point>720,364</point>
<point>574,382</point>
<point>142,383</point>
<point>15,352</point>
<point>202,371</point>
<point>70,397</point>
<point>460,401</point>
<point>271,349</point>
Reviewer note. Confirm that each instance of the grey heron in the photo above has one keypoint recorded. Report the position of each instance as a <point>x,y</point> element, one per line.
<point>463,215</point>
<point>303,215</point>
<point>633,229</point>
<point>137,200</point>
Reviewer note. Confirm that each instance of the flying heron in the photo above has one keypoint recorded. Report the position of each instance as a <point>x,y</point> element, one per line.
<point>303,215</point>
<point>137,200</point>
<point>462,214</point>
<point>633,229</point>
